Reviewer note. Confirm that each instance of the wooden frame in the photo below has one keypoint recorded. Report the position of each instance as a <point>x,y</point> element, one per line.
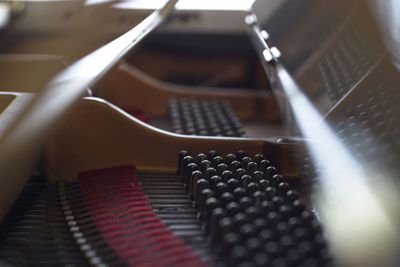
<point>130,89</point>
<point>28,72</point>
<point>98,134</point>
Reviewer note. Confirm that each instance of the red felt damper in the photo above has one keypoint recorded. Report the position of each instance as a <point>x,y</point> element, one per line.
<point>126,221</point>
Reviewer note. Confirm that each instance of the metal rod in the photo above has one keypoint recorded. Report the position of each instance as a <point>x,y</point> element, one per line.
<point>20,144</point>
<point>357,213</point>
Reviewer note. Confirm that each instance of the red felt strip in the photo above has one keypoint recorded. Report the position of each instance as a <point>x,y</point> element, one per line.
<point>125,219</point>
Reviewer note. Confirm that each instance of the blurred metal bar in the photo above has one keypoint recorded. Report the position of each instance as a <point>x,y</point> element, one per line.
<point>357,213</point>
<point>21,143</point>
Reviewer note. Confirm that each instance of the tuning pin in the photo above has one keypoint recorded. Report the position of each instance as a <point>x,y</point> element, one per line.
<point>203,132</point>
<point>267,235</point>
<point>270,172</point>
<point>316,226</point>
<point>204,165</point>
<point>259,197</point>
<point>216,131</point>
<point>239,192</point>
<point>216,161</point>
<point>238,220</point>
<point>247,231</point>
<point>273,217</point>
<point>233,184</point>
<point>245,202</point>
<point>266,206</point>
<point>234,165</point>
<point>241,154</point>
<point>226,175</point>
<point>202,198</point>
<point>200,185</point>
<point>295,222</point>
<point>210,204</point>
<point>196,176</point>
<point>258,175</point>
<point>214,180</point>
<point>210,172</point>
<point>246,179</point>
<point>286,211</point>
<point>270,192</point>
<point>292,195</point>
<point>239,173</point>
<point>294,257</point>
<point>200,157</point>
<point>262,259</point>
<point>302,233</point>
<point>254,246</point>
<point>187,174</point>
<point>253,212</point>
<point>258,158</point>
<point>216,215</point>
<point>178,130</point>
<point>226,198</point>
<point>240,131</point>
<point>273,248</point>
<point>264,184</point>
<point>221,188</point>
<point>252,167</point>
<point>238,255</point>
<point>229,241</point>
<point>319,240</point>
<point>185,161</point>
<point>278,201</point>
<point>277,179</point>
<point>260,224</point>
<point>245,161</point>
<point>283,187</point>
<point>232,208</point>
<point>264,164</point>
<point>306,247</point>
<point>283,228</point>
<point>279,261</point>
<point>211,154</point>
<point>299,209</point>
<point>221,168</point>
<point>182,154</point>
<point>251,188</point>
<point>230,158</point>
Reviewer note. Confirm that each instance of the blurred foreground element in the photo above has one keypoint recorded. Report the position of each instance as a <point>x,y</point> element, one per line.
<point>23,139</point>
<point>358,201</point>
<point>5,14</point>
<point>388,15</point>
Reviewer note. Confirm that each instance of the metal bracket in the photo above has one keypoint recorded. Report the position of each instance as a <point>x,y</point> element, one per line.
<point>269,54</point>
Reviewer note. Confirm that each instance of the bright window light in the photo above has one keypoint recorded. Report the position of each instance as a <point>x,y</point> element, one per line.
<point>96,2</point>
<point>189,4</point>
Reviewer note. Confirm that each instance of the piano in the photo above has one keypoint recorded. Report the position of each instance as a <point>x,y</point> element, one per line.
<point>274,143</point>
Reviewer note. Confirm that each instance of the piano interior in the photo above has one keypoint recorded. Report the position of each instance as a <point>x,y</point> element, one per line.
<point>272,144</point>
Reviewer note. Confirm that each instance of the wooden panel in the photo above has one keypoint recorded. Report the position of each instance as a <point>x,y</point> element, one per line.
<point>28,72</point>
<point>130,89</point>
<point>98,134</point>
